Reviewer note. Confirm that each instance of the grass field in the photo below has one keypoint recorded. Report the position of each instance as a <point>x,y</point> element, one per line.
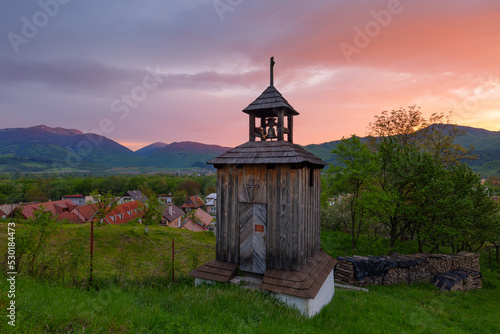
<point>135,293</point>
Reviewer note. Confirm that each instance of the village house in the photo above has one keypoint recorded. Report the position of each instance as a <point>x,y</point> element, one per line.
<point>192,203</point>
<point>132,195</point>
<point>165,198</point>
<point>59,209</point>
<point>6,209</point>
<point>76,199</point>
<point>171,215</point>
<point>123,213</point>
<point>200,223</point>
<point>82,214</point>
<point>211,204</point>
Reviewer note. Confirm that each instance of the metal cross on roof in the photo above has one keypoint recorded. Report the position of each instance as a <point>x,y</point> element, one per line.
<point>272,71</point>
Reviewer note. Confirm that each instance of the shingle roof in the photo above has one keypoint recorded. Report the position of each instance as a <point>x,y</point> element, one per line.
<point>193,202</point>
<point>305,283</point>
<point>202,218</point>
<point>55,207</point>
<point>8,208</point>
<point>267,152</point>
<point>176,212</point>
<point>123,213</point>
<point>136,195</point>
<point>269,101</point>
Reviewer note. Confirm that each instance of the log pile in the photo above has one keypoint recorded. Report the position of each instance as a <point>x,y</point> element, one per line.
<point>459,280</point>
<point>394,269</point>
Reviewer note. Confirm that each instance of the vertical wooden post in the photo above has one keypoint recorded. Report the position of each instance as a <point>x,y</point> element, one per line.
<point>281,124</point>
<point>290,128</point>
<point>91,251</point>
<point>263,125</point>
<point>173,263</point>
<point>252,128</point>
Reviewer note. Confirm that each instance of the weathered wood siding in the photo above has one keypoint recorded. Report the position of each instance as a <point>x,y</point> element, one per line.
<point>228,182</point>
<point>293,212</point>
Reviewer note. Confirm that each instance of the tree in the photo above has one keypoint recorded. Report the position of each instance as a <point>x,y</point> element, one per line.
<point>403,168</point>
<point>191,187</point>
<point>353,178</point>
<point>335,215</point>
<point>493,183</point>
<point>103,204</point>
<point>151,209</point>
<point>435,135</point>
<point>33,240</point>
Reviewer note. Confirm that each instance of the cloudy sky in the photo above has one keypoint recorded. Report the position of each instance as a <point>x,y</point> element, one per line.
<point>145,71</point>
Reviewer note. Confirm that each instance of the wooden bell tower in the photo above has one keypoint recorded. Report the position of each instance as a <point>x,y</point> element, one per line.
<point>268,206</point>
<point>272,110</point>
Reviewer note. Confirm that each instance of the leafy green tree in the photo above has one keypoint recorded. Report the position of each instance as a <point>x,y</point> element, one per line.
<point>32,240</point>
<point>151,209</point>
<point>335,215</point>
<point>191,187</point>
<point>353,179</point>
<point>403,168</point>
<point>103,204</point>
<point>434,135</point>
<point>179,197</point>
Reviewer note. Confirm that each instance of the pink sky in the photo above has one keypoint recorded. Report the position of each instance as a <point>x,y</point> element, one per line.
<point>155,71</point>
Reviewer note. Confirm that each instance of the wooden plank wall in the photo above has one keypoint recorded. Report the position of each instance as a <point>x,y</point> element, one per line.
<point>228,183</point>
<point>293,213</point>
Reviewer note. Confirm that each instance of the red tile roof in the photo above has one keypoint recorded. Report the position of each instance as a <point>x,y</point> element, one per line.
<point>56,207</point>
<point>190,202</point>
<point>202,220</point>
<point>123,213</point>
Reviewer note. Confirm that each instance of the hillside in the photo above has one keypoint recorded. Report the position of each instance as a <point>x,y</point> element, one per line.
<point>134,291</point>
<point>42,148</point>
<point>486,146</point>
<point>188,154</point>
<point>45,149</point>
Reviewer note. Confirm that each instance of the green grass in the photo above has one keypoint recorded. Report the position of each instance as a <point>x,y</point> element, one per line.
<point>136,294</point>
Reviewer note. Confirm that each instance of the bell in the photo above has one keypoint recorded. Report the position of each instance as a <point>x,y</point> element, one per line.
<point>271,134</point>
<point>260,132</point>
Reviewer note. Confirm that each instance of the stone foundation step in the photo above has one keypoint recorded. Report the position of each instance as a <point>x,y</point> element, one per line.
<point>247,282</point>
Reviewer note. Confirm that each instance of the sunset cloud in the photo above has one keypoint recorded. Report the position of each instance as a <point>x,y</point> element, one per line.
<point>339,63</point>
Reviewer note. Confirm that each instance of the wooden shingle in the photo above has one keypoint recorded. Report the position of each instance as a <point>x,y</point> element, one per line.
<point>267,152</point>
<point>305,283</point>
<point>268,102</point>
<point>215,270</point>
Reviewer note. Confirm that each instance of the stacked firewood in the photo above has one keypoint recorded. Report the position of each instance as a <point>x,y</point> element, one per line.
<point>344,273</point>
<point>443,263</point>
<point>459,280</point>
<point>394,269</point>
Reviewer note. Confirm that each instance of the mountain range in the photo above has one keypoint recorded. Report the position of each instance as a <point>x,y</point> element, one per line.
<point>45,149</point>
<point>42,148</point>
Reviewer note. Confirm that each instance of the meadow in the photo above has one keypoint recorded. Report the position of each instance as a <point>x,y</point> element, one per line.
<point>133,292</point>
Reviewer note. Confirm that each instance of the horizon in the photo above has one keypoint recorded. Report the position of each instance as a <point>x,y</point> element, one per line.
<point>196,142</point>
<point>184,71</point>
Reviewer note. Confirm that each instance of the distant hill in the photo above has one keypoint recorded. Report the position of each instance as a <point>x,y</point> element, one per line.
<point>42,148</point>
<point>186,154</point>
<point>486,146</point>
<point>147,150</point>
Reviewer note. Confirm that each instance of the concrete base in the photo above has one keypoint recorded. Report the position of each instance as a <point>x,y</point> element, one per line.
<point>310,307</point>
<point>200,281</point>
